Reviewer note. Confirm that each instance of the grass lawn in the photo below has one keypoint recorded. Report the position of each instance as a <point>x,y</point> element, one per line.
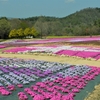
<point>70,36</point>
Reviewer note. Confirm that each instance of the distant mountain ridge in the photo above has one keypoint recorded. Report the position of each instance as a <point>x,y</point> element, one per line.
<point>87,15</point>
<point>81,23</point>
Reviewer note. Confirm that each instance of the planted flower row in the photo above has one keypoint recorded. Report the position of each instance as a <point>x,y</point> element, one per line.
<point>44,80</point>
<point>2,46</point>
<point>75,39</point>
<point>60,88</point>
<point>84,52</point>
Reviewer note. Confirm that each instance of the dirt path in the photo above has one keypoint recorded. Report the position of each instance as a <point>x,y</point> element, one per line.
<point>70,60</point>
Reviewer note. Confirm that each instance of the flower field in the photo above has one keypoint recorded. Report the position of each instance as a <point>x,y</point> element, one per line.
<point>41,80</point>
<point>31,79</point>
<point>53,40</point>
<point>2,46</point>
<point>83,52</point>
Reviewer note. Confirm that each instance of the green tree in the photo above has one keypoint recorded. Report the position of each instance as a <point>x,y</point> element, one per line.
<point>20,33</point>
<point>33,32</point>
<point>4,28</point>
<point>23,25</point>
<point>30,32</point>
<point>13,34</point>
<point>27,32</point>
<point>15,23</point>
<point>77,30</point>
<point>40,26</point>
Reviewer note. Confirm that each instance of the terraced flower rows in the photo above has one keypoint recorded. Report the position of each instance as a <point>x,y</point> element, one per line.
<point>53,40</point>
<point>83,52</point>
<point>41,80</point>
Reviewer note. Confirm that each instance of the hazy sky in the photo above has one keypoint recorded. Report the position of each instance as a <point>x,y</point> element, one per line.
<point>55,8</point>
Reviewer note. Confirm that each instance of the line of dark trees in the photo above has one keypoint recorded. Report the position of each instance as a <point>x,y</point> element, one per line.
<point>81,23</point>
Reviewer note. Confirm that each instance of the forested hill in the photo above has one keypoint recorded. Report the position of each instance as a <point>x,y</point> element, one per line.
<point>83,22</point>
<point>85,16</point>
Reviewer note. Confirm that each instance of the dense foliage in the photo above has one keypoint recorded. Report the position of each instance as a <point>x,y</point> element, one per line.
<point>23,33</point>
<point>82,23</point>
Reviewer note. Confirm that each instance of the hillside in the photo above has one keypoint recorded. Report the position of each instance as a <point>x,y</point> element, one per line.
<point>85,16</point>
<point>79,23</point>
<point>83,22</point>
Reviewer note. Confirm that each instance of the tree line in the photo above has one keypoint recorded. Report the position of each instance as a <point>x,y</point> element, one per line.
<point>23,33</point>
<point>81,23</point>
